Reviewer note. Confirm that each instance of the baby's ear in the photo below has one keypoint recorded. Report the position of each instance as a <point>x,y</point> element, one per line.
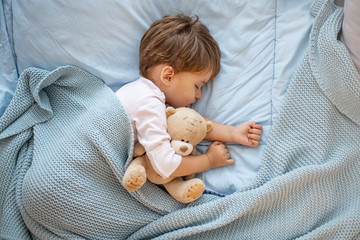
<point>208,126</point>
<point>166,75</point>
<point>170,111</point>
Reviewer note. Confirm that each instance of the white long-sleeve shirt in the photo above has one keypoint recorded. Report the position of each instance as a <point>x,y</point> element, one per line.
<point>145,104</point>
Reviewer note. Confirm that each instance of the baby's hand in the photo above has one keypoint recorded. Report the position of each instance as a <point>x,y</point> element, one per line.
<point>248,134</point>
<point>218,155</point>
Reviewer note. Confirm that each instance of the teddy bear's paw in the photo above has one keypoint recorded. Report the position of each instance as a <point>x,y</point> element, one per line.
<point>135,183</point>
<point>134,178</point>
<point>195,191</point>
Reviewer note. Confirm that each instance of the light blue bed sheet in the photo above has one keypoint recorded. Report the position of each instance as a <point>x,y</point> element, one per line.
<point>261,42</point>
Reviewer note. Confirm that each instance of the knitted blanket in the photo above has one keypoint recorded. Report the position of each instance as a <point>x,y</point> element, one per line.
<point>65,142</point>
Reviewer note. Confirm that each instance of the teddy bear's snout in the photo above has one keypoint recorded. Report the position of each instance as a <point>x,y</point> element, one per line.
<point>183,148</point>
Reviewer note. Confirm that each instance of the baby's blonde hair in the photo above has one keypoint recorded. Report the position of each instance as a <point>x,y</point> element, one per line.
<point>181,42</point>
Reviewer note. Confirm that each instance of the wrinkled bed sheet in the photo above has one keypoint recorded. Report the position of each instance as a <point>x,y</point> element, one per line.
<point>261,42</point>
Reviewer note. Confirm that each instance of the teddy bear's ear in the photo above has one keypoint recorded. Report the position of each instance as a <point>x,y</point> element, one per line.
<point>170,111</point>
<point>208,126</point>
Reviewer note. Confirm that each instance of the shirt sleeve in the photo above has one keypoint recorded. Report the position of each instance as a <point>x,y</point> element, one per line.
<point>150,122</point>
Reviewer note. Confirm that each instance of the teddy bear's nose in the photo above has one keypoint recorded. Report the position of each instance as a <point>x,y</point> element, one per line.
<point>183,148</point>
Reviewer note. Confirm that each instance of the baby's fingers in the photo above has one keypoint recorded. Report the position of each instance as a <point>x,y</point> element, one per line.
<point>254,143</point>
<point>254,137</point>
<point>230,161</point>
<point>255,125</point>
<point>255,131</point>
<point>217,143</point>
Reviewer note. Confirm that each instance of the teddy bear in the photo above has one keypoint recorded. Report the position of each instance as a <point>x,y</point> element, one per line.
<point>186,128</point>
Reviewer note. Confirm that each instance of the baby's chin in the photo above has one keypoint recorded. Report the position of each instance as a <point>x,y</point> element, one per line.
<point>179,105</point>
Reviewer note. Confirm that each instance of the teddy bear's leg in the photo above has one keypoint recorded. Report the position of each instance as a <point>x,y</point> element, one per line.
<point>135,175</point>
<point>139,150</point>
<point>185,191</point>
<point>153,176</point>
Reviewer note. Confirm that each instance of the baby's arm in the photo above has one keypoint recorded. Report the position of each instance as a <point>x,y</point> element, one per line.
<point>217,155</point>
<point>247,133</point>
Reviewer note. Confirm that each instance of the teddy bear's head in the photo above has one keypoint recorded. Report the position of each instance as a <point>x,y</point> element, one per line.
<point>186,128</point>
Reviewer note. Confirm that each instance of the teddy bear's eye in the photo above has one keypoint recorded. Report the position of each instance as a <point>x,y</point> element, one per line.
<point>187,141</point>
<point>182,140</point>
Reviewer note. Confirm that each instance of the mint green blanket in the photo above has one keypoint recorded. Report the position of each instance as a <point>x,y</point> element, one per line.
<point>65,142</point>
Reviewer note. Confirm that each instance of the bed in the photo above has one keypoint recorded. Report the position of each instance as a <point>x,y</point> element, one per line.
<point>61,62</point>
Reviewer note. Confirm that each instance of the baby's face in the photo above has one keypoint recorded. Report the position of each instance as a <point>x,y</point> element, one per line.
<point>186,88</point>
